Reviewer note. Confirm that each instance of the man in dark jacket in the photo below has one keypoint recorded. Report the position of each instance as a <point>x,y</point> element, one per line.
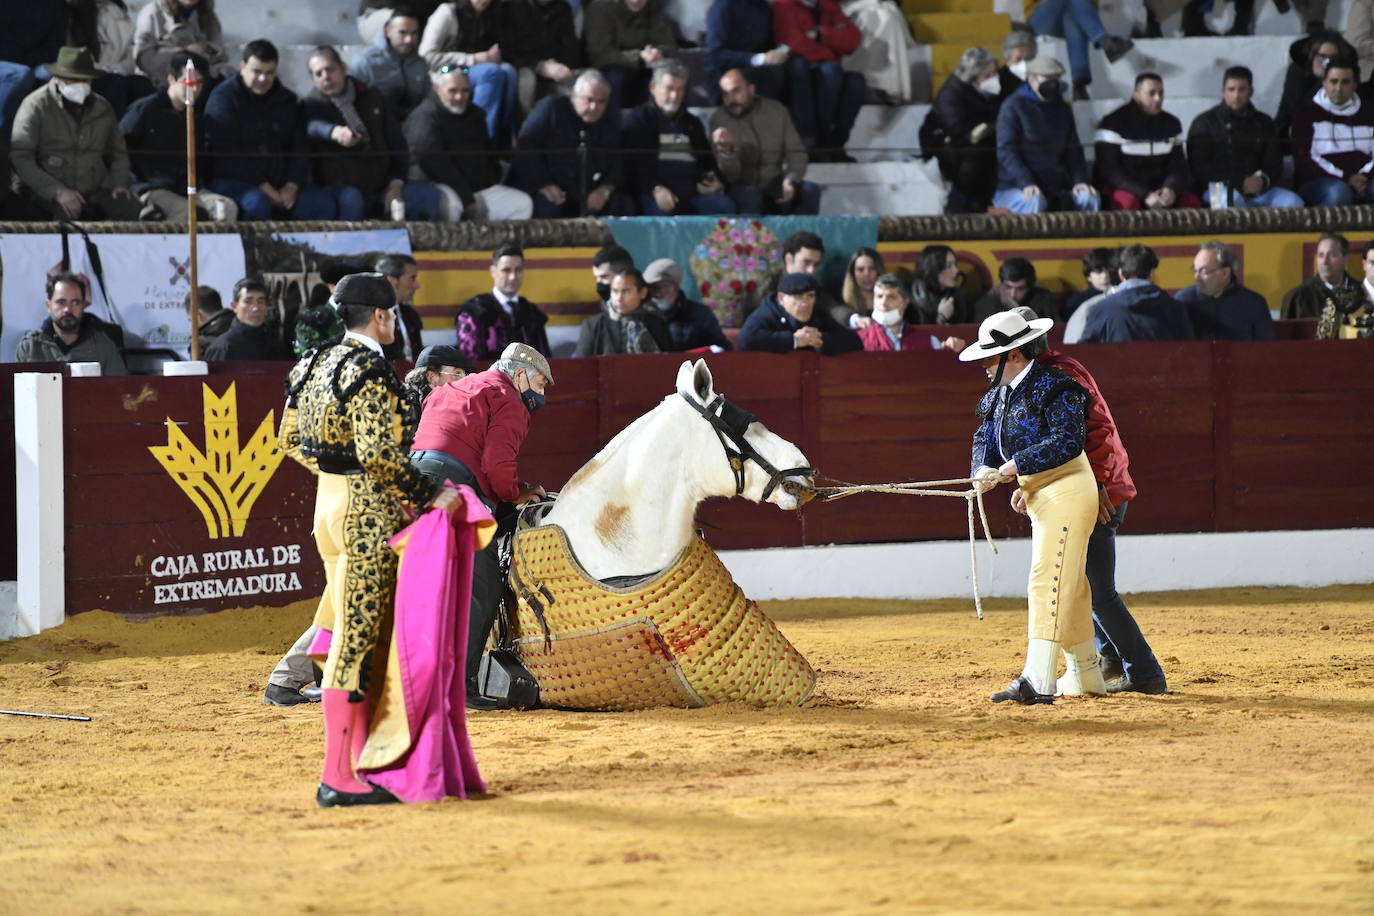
<point>69,334</point>
<point>547,163</point>
<point>691,324</point>
<point>248,337</point>
<point>669,165</point>
<point>739,36</point>
<point>256,136</point>
<point>628,322</point>
<point>1137,309</point>
<point>1139,149</point>
<point>1219,307</point>
<point>1040,164</point>
<point>1329,282</point>
<point>359,153</point>
<point>539,39</point>
<point>959,131</point>
<point>625,39</point>
<point>1237,144</point>
<point>489,322</point>
<point>403,273</point>
<point>1017,286</point>
<point>449,143</point>
<point>790,321</point>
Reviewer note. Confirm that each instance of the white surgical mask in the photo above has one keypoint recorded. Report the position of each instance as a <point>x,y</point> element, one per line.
<point>888,317</point>
<point>990,86</point>
<point>1019,68</point>
<point>661,304</point>
<point>76,93</point>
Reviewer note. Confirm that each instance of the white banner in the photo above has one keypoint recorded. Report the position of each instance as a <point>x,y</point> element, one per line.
<point>147,278</point>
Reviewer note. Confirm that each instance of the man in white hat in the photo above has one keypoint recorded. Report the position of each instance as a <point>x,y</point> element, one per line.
<point>470,433</point>
<point>1033,431</point>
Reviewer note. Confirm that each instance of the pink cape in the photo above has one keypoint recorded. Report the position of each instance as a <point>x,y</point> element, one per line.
<point>433,592</point>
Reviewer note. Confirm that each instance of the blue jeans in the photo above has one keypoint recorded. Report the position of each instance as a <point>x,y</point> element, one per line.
<point>749,199</point>
<point>1011,199</point>
<point>1075,21</point>
<point>421,197</point>
<point>1274,197</point>
<point>493,89</point>
<point>825,100</point>
<point>697,205</point>
<point>1332,192</point>
<point>312,201</point>
<point>1114,629</point>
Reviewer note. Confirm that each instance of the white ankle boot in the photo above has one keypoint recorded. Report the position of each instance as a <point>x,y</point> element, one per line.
<point>1042,660</point>
<point>1082,672</point>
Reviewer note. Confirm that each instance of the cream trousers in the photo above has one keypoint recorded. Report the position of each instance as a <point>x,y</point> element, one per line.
<point>1062,503</point>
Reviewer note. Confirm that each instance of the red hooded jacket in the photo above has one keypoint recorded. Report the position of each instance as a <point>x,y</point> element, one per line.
<point>792,19</point>
<point>1106,454</point>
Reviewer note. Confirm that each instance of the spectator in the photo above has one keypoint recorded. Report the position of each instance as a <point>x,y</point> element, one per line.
<point>154,131</point>
<point>436,365</point>
<point>105,28</point>
<point>760,154</point>
<point>548,162</point>
<point>1329,283</point>
<point>166,28</point>
<point>1306,71</point>
<point>373,15</point>
<point>789,320</point>
<point>69,335</point>
<point>360,152</point>
<point>466,33</point>
<point>1077,22</point>
<point>1140,162</point>
<point>1347,317</point>
<point>739,36</point>
<point>624,39</point>
<point>669,164</point>
<point>1333,141</point>
<point>447,135</point>
<point>256,136</point>
<point>606,263</point>
<point>392,64</point>
<point>959,131</point>
<point>403,273</point>
<point>320,323</point>
<point>691,324</point>
<point>1018,50</point>
<point>936,297</point>
<point>248,337</point>
<point>1040,164</point>
<point>1137,309</point>
<point>1359,31</point>
<point>1237,144</point>
<point>1099,267</point>
<point>803,253</point>
<point>66,150</point>
<point>889,330</point>
<point>212,318</point>
<point>1218,306</point>
<point>826,98</point>
<point>628,323</point>
<point>541,43</point>
<point>864,268</point>
<point>489,322</point>
<point>885,51</point>
<point>1016,286</point>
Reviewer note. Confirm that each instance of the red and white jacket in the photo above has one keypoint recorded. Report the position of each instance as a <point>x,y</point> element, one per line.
<point>1330,142</point>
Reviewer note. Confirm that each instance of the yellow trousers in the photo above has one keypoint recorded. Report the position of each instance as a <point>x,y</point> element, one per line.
<point>1062,503</point>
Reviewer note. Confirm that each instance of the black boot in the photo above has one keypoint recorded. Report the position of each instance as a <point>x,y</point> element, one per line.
<point>1115,47</point>
<point>1080,91</point>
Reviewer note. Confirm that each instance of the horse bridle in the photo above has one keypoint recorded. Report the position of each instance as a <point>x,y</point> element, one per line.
<point>730,423</point>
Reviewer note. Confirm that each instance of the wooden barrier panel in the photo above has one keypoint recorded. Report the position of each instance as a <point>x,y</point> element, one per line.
<point>1222,437</point>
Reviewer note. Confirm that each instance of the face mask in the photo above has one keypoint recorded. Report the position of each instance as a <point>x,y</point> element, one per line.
<point>76,93</point>
<point>1051,90</point>
<point>889,318</point>
<point>662,305</point>
<point>533,399</point>
<point>1019,68</point>
<point>603,291</point>
<point>990,86</point>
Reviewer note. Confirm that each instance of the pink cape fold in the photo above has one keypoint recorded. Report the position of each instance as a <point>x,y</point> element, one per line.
<point>433,592</point>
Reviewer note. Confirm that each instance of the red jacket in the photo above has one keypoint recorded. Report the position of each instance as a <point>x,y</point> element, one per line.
<point>876,340</point>
<point>480,420</point>
<point>792,19</point>
<point>1106,453</point>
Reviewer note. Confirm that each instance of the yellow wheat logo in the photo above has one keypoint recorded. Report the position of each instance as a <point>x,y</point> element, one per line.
<point>224,482</point>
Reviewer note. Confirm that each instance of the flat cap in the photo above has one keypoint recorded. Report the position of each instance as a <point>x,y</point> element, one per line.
<point>436,355</point>
<point>528,357</point>
<point>367,289</point>
<point>1044,66</point>
<point>664,269</point>
<point>795,284</point>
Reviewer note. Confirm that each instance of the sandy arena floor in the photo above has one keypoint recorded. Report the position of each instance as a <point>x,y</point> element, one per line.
<point>900,789</point>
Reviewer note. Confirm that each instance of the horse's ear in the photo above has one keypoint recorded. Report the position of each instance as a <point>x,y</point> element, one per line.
<point>702,383</point>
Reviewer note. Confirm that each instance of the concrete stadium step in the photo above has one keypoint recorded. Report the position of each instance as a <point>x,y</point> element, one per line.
<point>959,28</point>
<point>878,188</point>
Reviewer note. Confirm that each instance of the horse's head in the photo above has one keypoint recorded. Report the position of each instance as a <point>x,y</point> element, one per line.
<point>760,464</point>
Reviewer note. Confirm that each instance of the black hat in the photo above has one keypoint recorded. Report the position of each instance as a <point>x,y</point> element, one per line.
<point>436,355</point>
<point>796,284</point>
<point>335,269</point>
<point>367,289</point>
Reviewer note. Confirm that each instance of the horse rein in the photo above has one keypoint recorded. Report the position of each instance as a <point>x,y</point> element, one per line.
<point>730,423</point>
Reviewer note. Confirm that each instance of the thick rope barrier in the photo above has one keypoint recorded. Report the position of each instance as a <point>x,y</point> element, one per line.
<point>970,496</point>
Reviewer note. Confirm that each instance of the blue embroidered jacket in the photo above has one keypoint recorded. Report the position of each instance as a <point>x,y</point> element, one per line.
<point>1043,425</point>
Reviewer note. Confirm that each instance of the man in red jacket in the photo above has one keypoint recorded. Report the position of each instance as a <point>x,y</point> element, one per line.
<point>824,98</point>
<point>470,433</point>
<point>1122,646</point>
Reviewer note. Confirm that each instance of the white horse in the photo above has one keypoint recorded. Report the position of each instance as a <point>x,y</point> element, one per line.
<point>631,510</point>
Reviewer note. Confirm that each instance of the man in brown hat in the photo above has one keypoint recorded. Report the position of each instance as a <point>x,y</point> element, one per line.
<point>68,154</point>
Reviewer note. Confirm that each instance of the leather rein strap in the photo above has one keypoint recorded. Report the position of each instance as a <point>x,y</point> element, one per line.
<point>730,423</point>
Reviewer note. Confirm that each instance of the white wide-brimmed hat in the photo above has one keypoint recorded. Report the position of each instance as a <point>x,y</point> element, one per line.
<point>1002,332</point>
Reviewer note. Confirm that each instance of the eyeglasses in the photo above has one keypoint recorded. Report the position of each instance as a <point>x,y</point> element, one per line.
<point>1207,271</point>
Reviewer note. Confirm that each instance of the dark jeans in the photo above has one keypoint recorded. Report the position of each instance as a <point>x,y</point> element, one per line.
<point>487,586</point>
<point>620,204</point>
<point>825,101</point>
<point>749,199</point>
<point>1115,630</point>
